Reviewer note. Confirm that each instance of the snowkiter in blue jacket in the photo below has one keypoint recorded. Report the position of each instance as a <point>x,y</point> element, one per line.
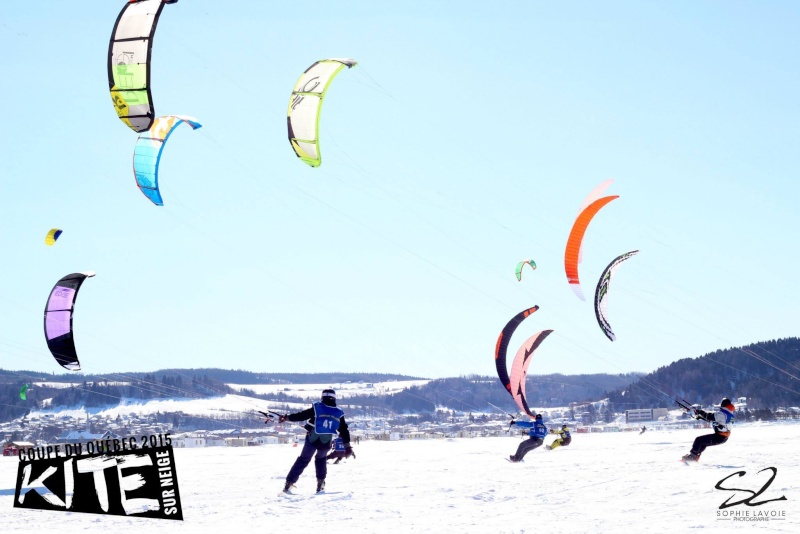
<point>323,421</point>
<point>537,433</point>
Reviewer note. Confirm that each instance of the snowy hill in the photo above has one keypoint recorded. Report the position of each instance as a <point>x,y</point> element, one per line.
<point>343,390</point>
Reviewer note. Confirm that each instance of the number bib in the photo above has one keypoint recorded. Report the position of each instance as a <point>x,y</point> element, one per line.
<point>326,418</point>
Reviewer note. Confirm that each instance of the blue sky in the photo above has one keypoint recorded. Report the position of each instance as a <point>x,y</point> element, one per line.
<point>463,142</point>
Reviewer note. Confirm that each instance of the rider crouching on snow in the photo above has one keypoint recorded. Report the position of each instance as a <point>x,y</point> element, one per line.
<point>340,450</point>
<point>537,433</point>
<point>721,422</point>
<point>564,438</point>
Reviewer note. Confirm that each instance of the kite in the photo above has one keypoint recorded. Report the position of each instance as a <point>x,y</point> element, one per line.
<point>58,319</point>
<point>129,53</point>
<point>522,264</point>
<point>52,236</point>
<point>572,251</point>
<point>601,294</point>
<point>596,193</point>
<point>305,105</point>
<point>22,392</point>
<point>502,346</point>
<point>147,154</point>
<point>519,370</point>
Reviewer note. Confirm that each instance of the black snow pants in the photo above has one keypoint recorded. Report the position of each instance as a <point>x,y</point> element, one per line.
<point>526,446</point>
<point>317,449</point>
<point>709,440</point>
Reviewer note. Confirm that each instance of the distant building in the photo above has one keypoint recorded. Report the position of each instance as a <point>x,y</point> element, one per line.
<point>12,448</point>
<point>266,440</point>
<point>81,437</point>
<point>189,441</point>
<point>637,416</point>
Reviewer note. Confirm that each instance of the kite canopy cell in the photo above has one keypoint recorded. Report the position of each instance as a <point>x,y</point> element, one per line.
<point>601,294</point>
<point>129,62</point>
<point>305,106</point>
<point>58,319</point>
<point>572,252</point>
<point>147,154</point>
<point>519,369</point>
<point>52,236</point>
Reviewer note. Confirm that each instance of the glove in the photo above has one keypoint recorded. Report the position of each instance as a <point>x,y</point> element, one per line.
<point>512,423</point>
<point>348,452</point>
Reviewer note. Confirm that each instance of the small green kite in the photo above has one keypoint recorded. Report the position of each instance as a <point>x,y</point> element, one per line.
<point>521,264</point>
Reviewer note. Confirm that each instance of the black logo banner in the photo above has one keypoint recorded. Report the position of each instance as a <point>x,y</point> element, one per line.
<point>130,481</point>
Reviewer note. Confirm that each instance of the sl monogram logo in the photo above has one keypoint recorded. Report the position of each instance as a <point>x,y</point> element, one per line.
<point>753,494</point>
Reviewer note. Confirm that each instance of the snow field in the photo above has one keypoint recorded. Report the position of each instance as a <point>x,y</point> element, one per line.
<point>603,482</point>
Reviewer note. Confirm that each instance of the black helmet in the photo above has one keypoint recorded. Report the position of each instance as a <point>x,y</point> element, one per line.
<point>538,417</point>
<point>726,403</point>
<point>564,426</point>
<point>329,397</point>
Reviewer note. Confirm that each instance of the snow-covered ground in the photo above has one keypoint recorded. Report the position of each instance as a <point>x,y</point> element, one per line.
<point>604,482</point>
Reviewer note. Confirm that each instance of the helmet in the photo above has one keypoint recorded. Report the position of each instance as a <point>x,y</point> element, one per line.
<point>538,417</point>
<point>726,403</point>
<point>564,427</point>
<point>329,397</point>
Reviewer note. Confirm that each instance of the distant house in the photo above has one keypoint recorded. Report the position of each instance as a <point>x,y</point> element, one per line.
<point>266,440</point>
<point>12,448</point>
<point>215,441</point>
<point>189,441</point>
<point>637,416</point>
<point>385,436</point>
<point>74,437</point>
